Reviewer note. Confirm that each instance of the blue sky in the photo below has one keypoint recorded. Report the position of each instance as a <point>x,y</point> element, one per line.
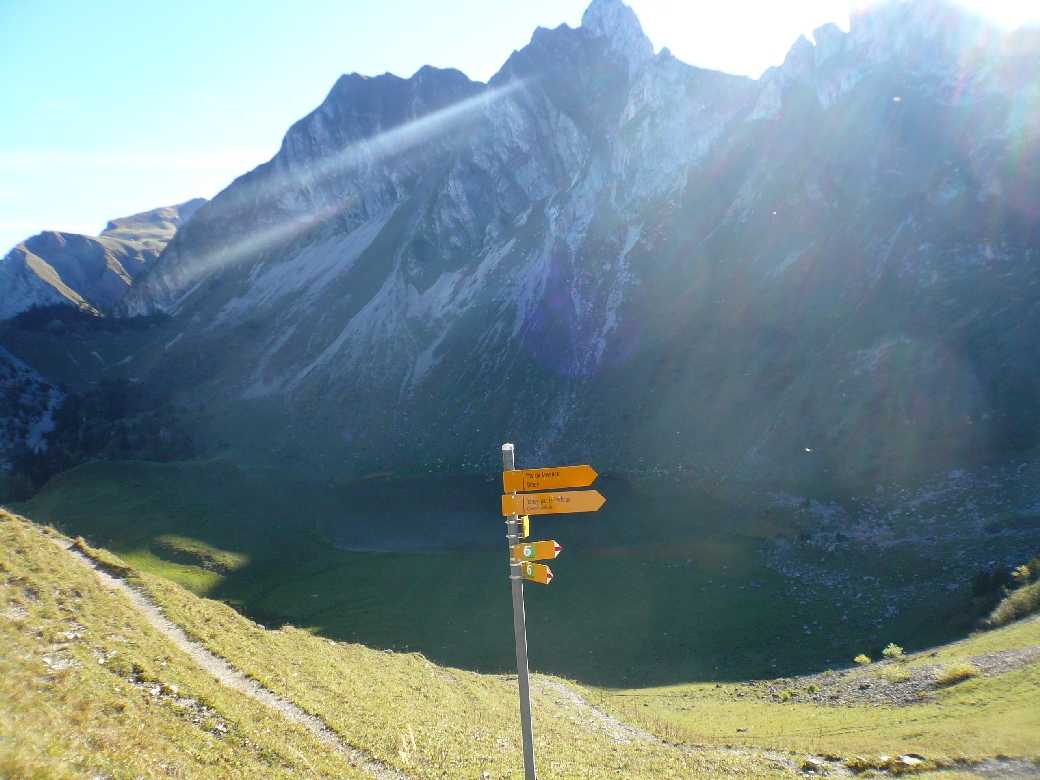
<point>114,107</point>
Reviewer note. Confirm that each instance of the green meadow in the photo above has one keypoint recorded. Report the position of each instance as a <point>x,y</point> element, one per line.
<point>664,588</point>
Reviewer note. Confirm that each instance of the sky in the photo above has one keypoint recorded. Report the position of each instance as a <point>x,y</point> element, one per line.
<point>110,107</point>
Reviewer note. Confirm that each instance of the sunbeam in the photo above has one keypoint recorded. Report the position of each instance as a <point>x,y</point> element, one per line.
<point>367,151</point>
<point>278,184</point>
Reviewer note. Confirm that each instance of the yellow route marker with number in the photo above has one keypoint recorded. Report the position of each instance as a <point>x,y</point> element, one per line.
<point>552,503</point>
<point>536,551</point>
<point>548,479</point>
<point>535,572</point>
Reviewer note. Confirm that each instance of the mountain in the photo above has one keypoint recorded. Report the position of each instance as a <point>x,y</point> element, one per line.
<point>825,276</point>
<point>27,403</point>
<point>92,273</point>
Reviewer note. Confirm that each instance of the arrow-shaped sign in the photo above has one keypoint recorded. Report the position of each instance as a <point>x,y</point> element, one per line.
<point>536,551</point>
<point>552,503</point>
<point>536,572</point>
<point>548,479</point>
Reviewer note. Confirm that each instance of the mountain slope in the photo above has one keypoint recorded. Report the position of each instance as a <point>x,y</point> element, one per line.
<point>84,271</point>
<point>91,689</point>
<point>826,276</point>
<point>91,686</point>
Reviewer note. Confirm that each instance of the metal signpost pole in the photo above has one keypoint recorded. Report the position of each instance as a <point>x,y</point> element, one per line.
<point>520,630</point>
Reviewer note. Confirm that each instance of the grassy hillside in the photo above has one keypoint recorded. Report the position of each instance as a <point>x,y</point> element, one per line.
<point>80,666</point>
<point>967,700</point>
<point>89,686</point>
<point>669,586</point>
<point>90,689</point>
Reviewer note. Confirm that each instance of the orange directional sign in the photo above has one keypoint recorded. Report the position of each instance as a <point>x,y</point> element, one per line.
<point>552,503</point>
<point>548,479</point>
<point>536,573</point>
<point>536,551</point>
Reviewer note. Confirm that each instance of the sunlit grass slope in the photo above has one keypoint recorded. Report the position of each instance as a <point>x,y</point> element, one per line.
<point>431,721</point>
<point>989,714</point>
<point>426,720</point>
<point>89,689</point>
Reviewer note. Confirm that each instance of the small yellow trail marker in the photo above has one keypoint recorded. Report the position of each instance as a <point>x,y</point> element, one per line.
<point>552,503</point>
<point>536,572</point>
<point>548,479</point>
<point>536,551</point>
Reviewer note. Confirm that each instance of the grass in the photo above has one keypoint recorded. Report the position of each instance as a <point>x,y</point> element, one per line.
<point>427,720</point>
<point>78,663</point>
<point>669,587</point>
<point>978,716</point>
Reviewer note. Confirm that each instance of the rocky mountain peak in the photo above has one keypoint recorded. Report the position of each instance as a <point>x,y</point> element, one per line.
<point>614,20</point>
<point>932,32</point>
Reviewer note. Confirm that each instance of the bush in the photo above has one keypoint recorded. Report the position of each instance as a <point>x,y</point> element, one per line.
<point>897,674</point>
<point>862,659</point>
<point>1021,575</point>
<point>1017,605</point>
<point>984,582</point>
<point>892,652</point>
<point>951,674</point>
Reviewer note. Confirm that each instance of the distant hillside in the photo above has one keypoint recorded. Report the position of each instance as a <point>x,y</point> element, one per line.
<point>92,273</point>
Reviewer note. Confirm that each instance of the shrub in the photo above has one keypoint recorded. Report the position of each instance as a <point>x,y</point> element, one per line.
<point>892,652</point>
<point>1034,569</point>
<point>951,674</point>
<point>1021,576</point>
<point>862,659</point>
<point>812,688</point>
<point>1022,602</point>
<point>897,674</point>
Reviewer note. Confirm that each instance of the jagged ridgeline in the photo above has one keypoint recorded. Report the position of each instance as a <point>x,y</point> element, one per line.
<point>825,275</point>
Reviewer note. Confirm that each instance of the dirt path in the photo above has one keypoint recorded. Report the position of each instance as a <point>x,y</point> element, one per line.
<point>620,732</point>
<point>230,676</point>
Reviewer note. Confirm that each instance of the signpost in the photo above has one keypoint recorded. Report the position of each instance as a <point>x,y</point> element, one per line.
<point>548,479</point>
<point>536,572</point>
<point>517,504</point>
<point>560,503</point>
<point>536,551</point>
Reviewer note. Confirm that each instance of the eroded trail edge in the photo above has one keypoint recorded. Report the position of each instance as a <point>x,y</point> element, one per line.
<point>228,675</point>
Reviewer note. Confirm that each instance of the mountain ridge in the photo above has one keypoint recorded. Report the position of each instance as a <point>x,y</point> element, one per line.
<point>88,272</point>
<point>823,276</point>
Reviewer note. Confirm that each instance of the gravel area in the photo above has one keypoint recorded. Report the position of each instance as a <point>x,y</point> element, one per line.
<point>890,683</point>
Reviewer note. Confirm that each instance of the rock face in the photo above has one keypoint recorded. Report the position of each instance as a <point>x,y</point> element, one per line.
<point>828,274</point>
<point>84,271</point>
<point>27,403</point>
